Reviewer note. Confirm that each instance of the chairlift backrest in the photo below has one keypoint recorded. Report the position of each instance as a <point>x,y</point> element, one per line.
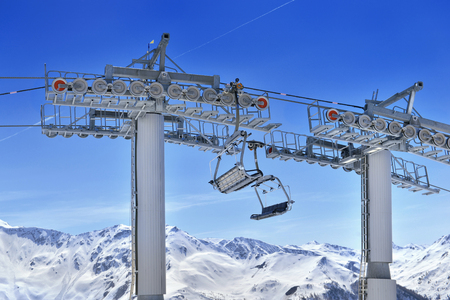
<point>237,177</point>
<point>275,209</point>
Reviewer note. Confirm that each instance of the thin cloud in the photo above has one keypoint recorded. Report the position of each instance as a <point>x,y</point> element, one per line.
<point>234,29</point>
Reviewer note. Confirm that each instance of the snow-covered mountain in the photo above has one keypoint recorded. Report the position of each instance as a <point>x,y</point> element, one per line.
<point>426,270</point>
<point>46,264</point>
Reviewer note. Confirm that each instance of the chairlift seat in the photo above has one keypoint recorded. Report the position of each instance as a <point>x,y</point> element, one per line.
<point>271,211</point>
<point>236,178</point>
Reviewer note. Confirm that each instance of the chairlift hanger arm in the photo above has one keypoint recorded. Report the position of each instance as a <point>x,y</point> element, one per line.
<point>252,146</point>
<point>238,177</point>
<point>235,139</point>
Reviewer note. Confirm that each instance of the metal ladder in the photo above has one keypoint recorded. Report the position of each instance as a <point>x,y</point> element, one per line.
<point>362,290</point>
<point>133,214</point>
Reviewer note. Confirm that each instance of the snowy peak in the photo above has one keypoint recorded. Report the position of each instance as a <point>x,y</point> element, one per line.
<point>244,248</point>
<point>313,243</point>
<point>97,265</point>
<point>4,224</point>
<point>238,248</point>
<point>445,240</point>
<point>58,239</point>
<point>38,236</point>
<point>218,267</point>
<point>424,270</point>
<point>408,247</point>
<point>48,264</point>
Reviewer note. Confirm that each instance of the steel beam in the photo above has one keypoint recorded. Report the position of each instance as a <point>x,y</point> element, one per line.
<point>174,77</point>
<point>427,123</point>
<point>414,88</point>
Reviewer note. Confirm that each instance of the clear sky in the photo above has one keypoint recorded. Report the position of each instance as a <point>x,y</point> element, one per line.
<point>335,50</point>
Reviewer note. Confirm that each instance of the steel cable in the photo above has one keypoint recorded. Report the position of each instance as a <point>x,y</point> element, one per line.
<point>20,91</point>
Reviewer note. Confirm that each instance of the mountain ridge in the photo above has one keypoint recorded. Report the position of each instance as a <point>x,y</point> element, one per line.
<point>49,264</point>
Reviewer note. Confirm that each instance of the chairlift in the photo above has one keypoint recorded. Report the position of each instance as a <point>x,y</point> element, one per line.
<point>238,177</point>
<point>268,184</point>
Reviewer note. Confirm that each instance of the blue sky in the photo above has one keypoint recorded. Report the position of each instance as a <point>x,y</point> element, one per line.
<point>335,50</point>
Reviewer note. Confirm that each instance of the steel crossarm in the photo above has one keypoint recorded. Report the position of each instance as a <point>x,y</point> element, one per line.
<point>312,149</point>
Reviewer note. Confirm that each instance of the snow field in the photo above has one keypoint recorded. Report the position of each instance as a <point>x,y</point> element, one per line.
<point>43,264</point>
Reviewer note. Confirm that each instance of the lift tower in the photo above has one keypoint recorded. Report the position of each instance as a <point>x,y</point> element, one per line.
<point>378,131</point>
<point>133,103</point>
<point>151,107</point>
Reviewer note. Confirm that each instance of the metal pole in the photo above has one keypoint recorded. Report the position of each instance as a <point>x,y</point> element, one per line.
<point>379,283</point>
<point>151,254</point>
<point>362,291</point>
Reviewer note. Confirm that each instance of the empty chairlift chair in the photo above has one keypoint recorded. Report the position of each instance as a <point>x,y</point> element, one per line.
<point>268,183</point>
<point>237,177</point>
